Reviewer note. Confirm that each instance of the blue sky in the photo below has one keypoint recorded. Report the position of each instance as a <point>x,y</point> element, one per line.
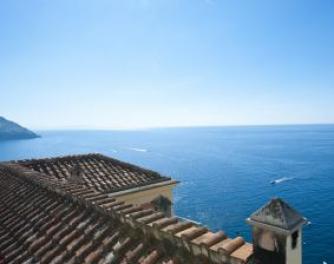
<point>155,63</point>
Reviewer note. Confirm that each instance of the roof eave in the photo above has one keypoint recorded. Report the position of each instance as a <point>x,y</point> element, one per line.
<point>277,229</point>
<point>144,188</point>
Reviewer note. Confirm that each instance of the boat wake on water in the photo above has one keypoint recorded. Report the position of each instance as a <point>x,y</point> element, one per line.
<point>280,180</point>
<point>138,149</point>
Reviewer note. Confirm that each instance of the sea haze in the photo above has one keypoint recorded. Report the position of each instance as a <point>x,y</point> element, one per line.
<point>226,173</point>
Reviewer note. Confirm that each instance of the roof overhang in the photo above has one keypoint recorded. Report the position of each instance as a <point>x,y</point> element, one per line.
<point>276,229</point>
<point>171,183</point>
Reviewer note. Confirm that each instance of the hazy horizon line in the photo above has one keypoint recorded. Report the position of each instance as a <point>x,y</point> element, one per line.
<point>90,128</point>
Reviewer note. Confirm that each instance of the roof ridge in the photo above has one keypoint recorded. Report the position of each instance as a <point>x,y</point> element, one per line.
<point>283,216</point>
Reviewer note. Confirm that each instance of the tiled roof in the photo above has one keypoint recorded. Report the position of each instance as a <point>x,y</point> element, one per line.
<point>103,173</point>
<point>279,214</point>
<point>44,220</point>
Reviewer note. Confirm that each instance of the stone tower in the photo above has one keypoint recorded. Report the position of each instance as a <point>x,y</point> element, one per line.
<point>277,234</point>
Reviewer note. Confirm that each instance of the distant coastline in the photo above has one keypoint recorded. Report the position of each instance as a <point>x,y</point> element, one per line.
<point>10,130</point>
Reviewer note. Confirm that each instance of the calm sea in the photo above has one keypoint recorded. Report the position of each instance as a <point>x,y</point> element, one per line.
<point>225,172</point>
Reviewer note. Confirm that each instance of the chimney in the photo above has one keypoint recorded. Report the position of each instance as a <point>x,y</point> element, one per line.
<point>277,233</point>
<point>76,174</point>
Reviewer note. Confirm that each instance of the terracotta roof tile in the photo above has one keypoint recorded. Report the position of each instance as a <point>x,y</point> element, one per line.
<point>163,222</point>
<point>243,252</point>
<point>46,220</point>
<point>177,227</point>
<point>94,170</point>
<point>208,239</point>
<point>192,232</point>
<point>151,258</point>
<point>233,245</point>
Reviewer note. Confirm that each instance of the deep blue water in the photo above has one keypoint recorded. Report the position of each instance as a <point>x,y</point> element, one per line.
<point>225,173</point>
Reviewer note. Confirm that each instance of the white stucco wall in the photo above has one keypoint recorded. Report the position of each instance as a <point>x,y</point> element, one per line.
<point>146,196</point>
<point>294,256</point>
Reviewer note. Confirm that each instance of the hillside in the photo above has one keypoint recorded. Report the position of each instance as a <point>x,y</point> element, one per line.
<point>11,130</point>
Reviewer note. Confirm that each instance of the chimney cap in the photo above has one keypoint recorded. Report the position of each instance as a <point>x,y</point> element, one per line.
<point>278,215</point>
